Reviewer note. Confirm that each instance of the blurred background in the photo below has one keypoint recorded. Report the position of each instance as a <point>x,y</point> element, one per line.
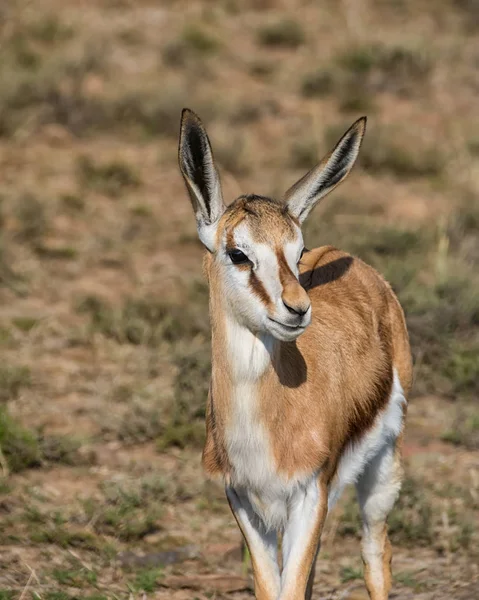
<point>104,334</point>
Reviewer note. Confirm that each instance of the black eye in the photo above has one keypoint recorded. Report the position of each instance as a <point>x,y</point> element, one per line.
<point>302,252</point>
<point>238,257</point>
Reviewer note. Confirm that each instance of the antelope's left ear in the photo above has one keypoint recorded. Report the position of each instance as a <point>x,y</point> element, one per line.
<point>303,196</point>
<point>199,172</point>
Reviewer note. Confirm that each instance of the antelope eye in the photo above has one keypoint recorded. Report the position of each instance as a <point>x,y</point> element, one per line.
<point>302,252</point>
<point>238,257</point>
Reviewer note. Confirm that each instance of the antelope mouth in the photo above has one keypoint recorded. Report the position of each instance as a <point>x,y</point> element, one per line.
<point>289,327</point>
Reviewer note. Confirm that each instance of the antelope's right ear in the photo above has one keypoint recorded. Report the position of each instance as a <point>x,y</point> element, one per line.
<point>201,177</point>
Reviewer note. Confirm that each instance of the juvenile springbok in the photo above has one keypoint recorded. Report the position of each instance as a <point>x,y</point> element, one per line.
<point>310,370</point>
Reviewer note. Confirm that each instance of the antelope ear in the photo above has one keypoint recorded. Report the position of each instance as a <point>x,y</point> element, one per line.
<point>197,166</point>
<point>303,196</point>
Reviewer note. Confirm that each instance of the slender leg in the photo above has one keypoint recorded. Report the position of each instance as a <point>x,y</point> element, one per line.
<point>309,587</point>
<point>262,545</point>
<point>301,540</point>
<point>378,488</point>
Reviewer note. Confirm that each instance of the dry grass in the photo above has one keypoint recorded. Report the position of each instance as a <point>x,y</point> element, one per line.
<point>104,330</point>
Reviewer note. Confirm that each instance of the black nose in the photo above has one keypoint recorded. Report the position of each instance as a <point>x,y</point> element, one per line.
<point>297,310</point>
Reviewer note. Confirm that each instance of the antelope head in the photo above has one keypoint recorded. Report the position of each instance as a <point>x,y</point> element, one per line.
<point>256,242</point>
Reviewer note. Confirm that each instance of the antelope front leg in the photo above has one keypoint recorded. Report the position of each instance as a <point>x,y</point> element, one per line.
<point>262,545</point>
<point>301,539</point>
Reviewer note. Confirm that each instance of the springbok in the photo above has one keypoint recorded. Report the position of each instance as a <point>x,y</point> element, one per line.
<point>310,370</point>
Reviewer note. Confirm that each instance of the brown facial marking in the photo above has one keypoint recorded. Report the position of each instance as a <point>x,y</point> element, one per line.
<point>259,290</point>
<point>286,276</point>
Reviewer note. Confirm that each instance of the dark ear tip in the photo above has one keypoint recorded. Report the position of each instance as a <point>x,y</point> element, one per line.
<point>189,115</point>
<point>359,126</point>
<point>361,122</point>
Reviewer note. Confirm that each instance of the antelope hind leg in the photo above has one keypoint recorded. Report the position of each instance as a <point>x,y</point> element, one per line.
<point>377,489</point>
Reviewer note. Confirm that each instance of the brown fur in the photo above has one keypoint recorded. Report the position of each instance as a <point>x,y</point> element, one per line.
<point>267,219</point>
<point>293,295</point>
<point>215,457</point>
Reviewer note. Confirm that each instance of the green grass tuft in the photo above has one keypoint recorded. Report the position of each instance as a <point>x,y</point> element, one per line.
<point>147,580</point>
<point>350,574</point>
<point>62,450</point>
<point>411,521</point>
<point>75,577</point>
<point>199,39</point>
<point>381,154</point>
<point>388,68</point>
<point>281,34</point>
<point>25,324</point>
<point>111,178</point>
<point>317,84</point>
<point>304,154</point>
<point>12,380</point>
<point>131,509</point>
<point>31,217</point>
<point>19,446</point>
<point>464,430</point>
<point>64,537</point>
<point>49,29</point>
<point>182,436</point>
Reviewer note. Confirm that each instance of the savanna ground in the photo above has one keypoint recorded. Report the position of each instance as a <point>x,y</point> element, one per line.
<point>103,322</point>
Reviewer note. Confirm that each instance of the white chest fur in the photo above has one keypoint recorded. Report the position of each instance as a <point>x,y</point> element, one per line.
<point>247,440</point>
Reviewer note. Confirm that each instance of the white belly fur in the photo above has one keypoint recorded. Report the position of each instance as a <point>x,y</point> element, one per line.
<point>387,427</point>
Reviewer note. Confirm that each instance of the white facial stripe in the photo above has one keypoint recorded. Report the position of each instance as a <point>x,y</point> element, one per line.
<point>267,271</point>
<point>292,251</point>
<point>244,241</point>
